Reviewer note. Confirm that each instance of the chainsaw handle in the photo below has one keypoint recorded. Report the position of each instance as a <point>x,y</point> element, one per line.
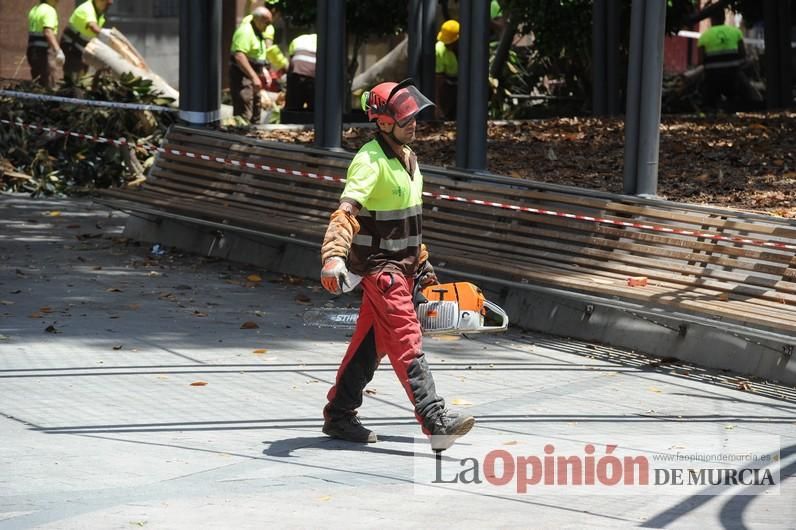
<point>499,311</point>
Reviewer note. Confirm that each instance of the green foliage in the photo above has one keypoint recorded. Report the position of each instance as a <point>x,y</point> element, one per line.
<point>68,165</point>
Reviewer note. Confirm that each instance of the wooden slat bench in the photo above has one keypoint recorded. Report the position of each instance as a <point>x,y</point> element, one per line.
<point>745,285</point>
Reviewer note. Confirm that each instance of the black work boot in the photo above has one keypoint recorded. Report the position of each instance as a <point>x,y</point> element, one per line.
<point>447,427</point>
<point>350,429</point>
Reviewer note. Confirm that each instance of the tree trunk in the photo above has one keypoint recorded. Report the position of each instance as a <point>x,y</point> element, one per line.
<point>100,55</point>
<point>392,66</point>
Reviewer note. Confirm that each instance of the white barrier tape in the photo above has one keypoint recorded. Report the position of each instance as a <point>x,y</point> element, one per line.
<point>62,132</point>
<point>527,209</point>
<point>88,102</point>
<point>455,198</point>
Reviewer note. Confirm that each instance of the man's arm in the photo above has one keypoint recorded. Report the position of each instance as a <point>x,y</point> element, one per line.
<point>350,207</point>
<point>94,27</point>
<point>49,34</point>
<point>243,62</point>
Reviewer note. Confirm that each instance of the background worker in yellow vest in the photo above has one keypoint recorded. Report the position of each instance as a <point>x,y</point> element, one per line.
<point>43,50</point>
<point>447,70</point>
<point>248,71</point>
<point>301,73</point>
<point>86,22</point>
<point>278,63</point>
<point>722,53</point>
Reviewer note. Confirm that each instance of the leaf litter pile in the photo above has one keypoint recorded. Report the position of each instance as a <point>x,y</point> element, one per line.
<point>746,161</point>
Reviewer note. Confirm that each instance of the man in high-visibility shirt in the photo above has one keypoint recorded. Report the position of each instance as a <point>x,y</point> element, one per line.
<point>248,70</point>
<point>86,22</point>
<point>376,232</point>
<point>43,50</point>
<point>277,62</point>
<point>301,73</point>
<point>722,53</point>
<point>447,70</point>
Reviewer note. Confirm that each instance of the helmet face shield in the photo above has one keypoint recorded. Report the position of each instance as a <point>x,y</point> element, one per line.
<point>405,103</point>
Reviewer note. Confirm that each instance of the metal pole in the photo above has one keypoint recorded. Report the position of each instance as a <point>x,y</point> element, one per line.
<point>633,96</point>
<point>200,61</point>
<point>651,90</point>
<point>772,59</point>
<point>612,22</point>
<point>473,93</point>
<point>598,52</point>
<point>421,29</point>
<point>428,57</point>
<point>785,54</point>
<point>463,93</point>
<point>330,74</point>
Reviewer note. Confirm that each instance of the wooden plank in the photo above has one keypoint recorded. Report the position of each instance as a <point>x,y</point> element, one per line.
<point>618,283</point>
<point>468,224</point>
<point>546,198</point>
<point>471,210</point>
<point>540,251</point>
<point>651,296</point>
<point>202,178</point>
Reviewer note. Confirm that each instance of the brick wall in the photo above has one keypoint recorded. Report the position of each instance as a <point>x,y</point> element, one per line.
<point>14,35</point>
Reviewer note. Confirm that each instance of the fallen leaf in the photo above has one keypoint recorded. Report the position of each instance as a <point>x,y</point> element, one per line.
<point>512,442</point>
<point>656,390</point>
<point>199,383</point>
<point>260,351</point>
<point>45,309</point>
<point>54,213</point>
<point>729,426</point>
<point>249,325</point>
<point>325,498</point>
<point>460,402</point>
<point>254,278</point>
<point>745,386</point>
<point>199,314</point>
<point>35,314</point>
<point>724,297</point>
<point>370,391</point>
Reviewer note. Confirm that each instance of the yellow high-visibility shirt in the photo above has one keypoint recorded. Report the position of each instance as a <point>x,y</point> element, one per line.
<point>81,17</point>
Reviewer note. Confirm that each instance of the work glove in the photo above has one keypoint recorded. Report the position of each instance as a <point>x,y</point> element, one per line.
<point>105,36</point>
<point>60,58</point>
<point>339,235</point>
<point>334,275</point>
<point>425,274</point>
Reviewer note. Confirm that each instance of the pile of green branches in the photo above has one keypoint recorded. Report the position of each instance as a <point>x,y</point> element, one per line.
<point>66,165</point>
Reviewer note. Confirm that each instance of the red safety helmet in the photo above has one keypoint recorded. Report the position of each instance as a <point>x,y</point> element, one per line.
<point>390,102</point>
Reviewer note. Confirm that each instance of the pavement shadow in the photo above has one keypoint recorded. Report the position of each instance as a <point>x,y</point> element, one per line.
<point>285,448</point>
<point>732,513</point>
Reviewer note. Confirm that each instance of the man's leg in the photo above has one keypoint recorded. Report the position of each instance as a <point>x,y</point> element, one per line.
<point>240,89</point>
<point>398,333</point>
<point>355,372</point>
<point>37,59</point>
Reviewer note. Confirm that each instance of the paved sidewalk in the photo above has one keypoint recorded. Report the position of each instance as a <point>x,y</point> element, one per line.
<point>131,395</point>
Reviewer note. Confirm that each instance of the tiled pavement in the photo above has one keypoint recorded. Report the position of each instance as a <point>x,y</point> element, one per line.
<point>103,425</point>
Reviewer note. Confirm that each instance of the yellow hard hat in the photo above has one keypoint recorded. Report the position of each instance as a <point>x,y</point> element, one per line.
<point>449,32</point>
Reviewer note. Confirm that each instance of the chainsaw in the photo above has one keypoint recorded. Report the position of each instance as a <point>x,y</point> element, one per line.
<point>457,308</point>
<point>443,309</point>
